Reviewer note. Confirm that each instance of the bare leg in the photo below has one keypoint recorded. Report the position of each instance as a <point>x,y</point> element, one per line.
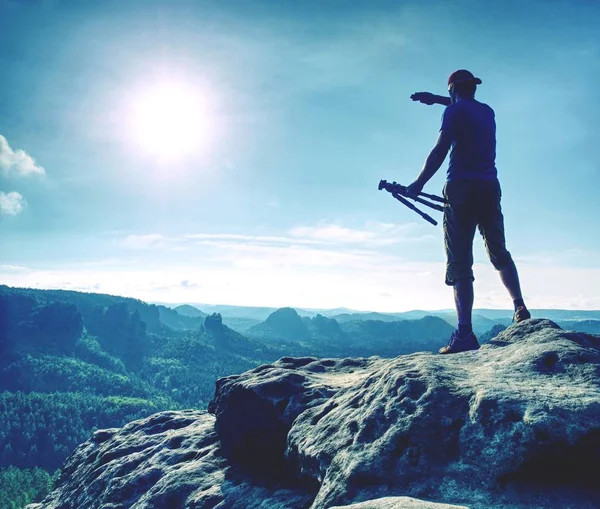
<point>463,299</point>
<point>510,278</point>
<point>463,339</point>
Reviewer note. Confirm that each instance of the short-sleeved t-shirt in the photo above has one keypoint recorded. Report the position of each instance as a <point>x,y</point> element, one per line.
<point>472,126</point>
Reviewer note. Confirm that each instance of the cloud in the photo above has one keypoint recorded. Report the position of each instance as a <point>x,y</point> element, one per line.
<point>573,257</point>
<point>327,247</point>
<point>373,233</point>
<point>352,265</point>
<point>256,256</point>
<point>154,240</point>
<point>256,239</point>
<point>306,278</point>
<point>11,203</point>
<point>333,233</point>
<point>144,241</point>
<point>324,245</point>
<point>17,162</point>
<point>186,283</point>
<point>13,268</point>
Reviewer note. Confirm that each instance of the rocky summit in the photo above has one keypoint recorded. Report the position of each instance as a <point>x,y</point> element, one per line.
<point>515,424</point>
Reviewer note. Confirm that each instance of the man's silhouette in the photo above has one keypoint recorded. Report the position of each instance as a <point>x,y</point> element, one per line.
<point>472,194</point>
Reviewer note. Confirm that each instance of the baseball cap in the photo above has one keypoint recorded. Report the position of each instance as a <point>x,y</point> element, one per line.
<point>462,76</point>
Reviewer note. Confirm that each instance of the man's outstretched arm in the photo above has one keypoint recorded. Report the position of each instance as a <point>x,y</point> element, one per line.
<point>432,163</point>
<point>429,98</point>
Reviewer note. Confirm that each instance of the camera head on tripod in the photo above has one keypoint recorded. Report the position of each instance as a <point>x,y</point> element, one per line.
<point>398,191</point>
<point>393,187</point>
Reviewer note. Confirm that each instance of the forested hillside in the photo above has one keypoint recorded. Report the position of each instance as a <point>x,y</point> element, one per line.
<point>326,337</point>
<point>71,363</point>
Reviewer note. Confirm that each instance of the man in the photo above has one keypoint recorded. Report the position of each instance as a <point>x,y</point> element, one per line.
<point>472,194</point>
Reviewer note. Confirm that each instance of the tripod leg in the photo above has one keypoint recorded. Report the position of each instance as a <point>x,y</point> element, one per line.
<point>411,206</point>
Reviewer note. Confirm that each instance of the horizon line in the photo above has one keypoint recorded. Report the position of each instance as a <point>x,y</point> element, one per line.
<point>304,308</point>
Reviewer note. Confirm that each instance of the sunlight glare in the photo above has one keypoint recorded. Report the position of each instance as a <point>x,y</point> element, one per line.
<point>170,121</point>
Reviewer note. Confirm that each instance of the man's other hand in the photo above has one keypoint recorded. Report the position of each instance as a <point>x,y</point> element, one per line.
<point>413,190</point>
<point>424,97</point>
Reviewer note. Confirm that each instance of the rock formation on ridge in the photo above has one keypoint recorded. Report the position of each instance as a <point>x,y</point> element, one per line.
<point>513,425</point>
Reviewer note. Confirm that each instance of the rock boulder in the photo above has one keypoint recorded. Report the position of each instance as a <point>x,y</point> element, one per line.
<point>515,424</point>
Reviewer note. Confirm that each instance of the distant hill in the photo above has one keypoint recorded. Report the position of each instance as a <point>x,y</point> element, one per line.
<point>327,337</point>
<point>416,314</point>
<point>284,323</point>
<point>328,313</point>
<point>588,326</point>
<point>243,318</point>
<point>550,314</point>
<point>176,321</point>
<point>481,324</point>
<point>240,325</point>
<point>503,316</point>
<point>190,311</point>
<point>322,327</point>
<point>89,304</point>
<point>397,338</point>
<point>486,337</point>
<point>259,313</point>
<point>350,317</point>
<point>329,334</point>
<point>255,313</point>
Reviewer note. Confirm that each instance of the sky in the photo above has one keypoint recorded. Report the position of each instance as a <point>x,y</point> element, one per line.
<point>229,152</point>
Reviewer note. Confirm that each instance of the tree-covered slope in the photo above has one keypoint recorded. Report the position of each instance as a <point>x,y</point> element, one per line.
<point>71,363</point>
<point>326,337</point>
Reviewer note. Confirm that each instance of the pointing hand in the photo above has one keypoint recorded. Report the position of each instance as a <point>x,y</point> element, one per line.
<point>424,97</point>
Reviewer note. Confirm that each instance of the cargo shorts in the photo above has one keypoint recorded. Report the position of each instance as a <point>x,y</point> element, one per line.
<point>471,204</point>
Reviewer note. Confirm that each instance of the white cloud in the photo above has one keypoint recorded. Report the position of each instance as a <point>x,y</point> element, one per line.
<point>258,239</point>
<point>307,278</point>
<point>544,286</point>
<point>11,203</point>
<point>255,256</point>
<point>17,161</point>
<point>325,235</point>
<point>373,233</point>
<point>301,286</point>
<point>333,233</point>
<point>155,240</point>
<point>143,241</point>
<point>327,265</point>
<point>13,268</point>
<point>574,257</point>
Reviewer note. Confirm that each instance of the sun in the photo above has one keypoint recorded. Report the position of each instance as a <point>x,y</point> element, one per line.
<point>170,120</point>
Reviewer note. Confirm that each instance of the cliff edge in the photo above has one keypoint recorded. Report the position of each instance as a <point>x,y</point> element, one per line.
<point>515,424</point>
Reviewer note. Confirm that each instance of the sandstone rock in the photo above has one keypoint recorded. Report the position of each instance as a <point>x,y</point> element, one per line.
<point>269,398</point>
<point>168,460</point>
<point>213,322</point>
<point>398,503</point>
<point>513,425</point>
<point>523,411</point>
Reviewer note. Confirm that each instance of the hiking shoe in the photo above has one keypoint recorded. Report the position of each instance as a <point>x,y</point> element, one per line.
<point>521,313</point>
<point>456,344</point>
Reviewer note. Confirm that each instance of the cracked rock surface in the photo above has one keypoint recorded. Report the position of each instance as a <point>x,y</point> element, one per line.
<point>515,424</point>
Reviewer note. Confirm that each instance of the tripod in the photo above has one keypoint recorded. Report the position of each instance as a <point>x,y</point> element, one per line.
<point>398,191</point>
